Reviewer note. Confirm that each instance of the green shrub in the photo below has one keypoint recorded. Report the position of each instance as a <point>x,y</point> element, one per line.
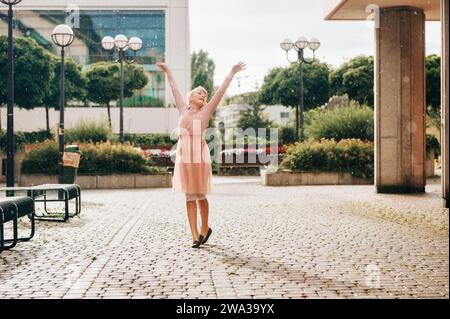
<point>340,123</point>
<point>432,143</point>
<point>42,160</point>
<point>22,138</point>
<point>110,158</point>
<point>346,156</point>
<point>88,131</point>
<point>18,140</point>
<point>143,101</point>
<point>433,117</point>
<point>37,136</point>
<point>100,158</point>
<point>286,135</point>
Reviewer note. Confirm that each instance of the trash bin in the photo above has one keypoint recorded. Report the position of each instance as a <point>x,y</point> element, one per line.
<point>71,161</point>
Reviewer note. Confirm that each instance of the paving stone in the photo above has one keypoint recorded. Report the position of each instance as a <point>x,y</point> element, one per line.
<point>268,242</point>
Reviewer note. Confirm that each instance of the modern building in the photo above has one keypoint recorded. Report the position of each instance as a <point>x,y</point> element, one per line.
<point>229,114</point>
<point>399,27</point>
<point>163,26</point>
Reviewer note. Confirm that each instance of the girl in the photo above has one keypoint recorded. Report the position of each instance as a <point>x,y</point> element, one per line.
<point>192,174</point>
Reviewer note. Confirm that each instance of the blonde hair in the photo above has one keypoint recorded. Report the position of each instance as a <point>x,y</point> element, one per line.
<point>195,89</point>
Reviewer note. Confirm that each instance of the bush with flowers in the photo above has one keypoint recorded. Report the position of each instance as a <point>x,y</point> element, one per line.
<point>99,158</point>
<point>345,156</point>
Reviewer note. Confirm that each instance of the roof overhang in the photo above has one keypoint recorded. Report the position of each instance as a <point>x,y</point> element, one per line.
<point>361,9</point>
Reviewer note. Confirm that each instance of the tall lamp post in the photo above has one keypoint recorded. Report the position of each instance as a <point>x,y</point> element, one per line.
<point>122,44</point>
<point>62,36</point>
<point>10,106</point>
<point>300,45</point>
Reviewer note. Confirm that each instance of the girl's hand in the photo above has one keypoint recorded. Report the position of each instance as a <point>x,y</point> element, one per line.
<point>238,68</point>
<point>163,66</point>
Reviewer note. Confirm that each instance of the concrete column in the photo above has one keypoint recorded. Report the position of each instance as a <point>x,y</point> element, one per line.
<point>400,101</point>
<point>445,112</point>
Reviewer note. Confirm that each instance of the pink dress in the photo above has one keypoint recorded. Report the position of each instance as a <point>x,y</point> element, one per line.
<point>192,173</point>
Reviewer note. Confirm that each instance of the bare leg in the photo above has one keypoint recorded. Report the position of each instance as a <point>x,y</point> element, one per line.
<point>204,213</point>
<point>191,207</point>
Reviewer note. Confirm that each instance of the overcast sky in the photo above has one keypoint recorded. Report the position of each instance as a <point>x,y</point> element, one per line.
<point>251,30</point>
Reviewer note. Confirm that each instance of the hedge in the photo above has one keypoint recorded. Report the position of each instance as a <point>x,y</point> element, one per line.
<point>143,140</point>
<point>22,138</point>
<point>345,156</point>
<point>343,122</point>
<point>100,158</point>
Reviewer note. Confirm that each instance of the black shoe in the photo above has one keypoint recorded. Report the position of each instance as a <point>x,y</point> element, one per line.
<point>197,243</point>
<point>207,235</point>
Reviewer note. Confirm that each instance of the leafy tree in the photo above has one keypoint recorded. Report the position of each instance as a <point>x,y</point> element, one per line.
<point>250,98</point>
<point>103,86</point>
<point>32,72</point>
<point>75,84</point>
<point>134,79</point>
<point>355,78</point>
<point>255,118</point>
<point>104,82</point>
<point>281,85</point>
<point>433,84</point>
<point>202,68</point>
<point>286,135</point>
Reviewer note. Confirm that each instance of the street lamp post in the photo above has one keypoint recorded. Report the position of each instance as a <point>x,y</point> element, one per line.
<point>62,36</point>
<point>121,43</point>
<point>300,45</point>
<point>10,106</point>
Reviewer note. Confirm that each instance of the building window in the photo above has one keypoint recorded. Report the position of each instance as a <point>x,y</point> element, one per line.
<point>149,25</point>
<point>284,115</point>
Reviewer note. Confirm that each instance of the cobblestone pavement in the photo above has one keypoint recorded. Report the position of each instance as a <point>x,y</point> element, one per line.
<point>267,242</point>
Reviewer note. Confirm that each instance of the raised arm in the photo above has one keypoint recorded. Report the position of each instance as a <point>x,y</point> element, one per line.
<point>215,100</point>
<point>179,101</point>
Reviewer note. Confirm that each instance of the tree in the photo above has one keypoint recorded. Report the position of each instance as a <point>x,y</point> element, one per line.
<point>355,78</point>
<point>32,72</point>
<point>134,79</point>
<point>250,98</point>
<point>254,118</point>
<point>75,85</point>
<point>104,82</point>
<point>433,82</point>
<point>281,86</point>
<point>202,71</point>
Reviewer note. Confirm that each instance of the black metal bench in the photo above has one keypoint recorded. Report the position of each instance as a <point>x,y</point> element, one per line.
<point>51,193</point>
<point>11,209</point>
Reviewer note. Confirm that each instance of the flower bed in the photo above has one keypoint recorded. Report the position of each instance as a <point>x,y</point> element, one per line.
<point>346,156</point>
<point>99,158</point>
<point>324,162</point>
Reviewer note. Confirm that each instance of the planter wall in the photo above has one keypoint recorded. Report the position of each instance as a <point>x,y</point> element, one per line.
<point>238,171</point>
<point>118,181</point>
<point>18,157</point>
<point>429,165</point>
<point>286,178</point>
<point>429,168</point>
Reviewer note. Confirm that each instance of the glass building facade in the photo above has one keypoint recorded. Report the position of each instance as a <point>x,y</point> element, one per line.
<point>90,26</point>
